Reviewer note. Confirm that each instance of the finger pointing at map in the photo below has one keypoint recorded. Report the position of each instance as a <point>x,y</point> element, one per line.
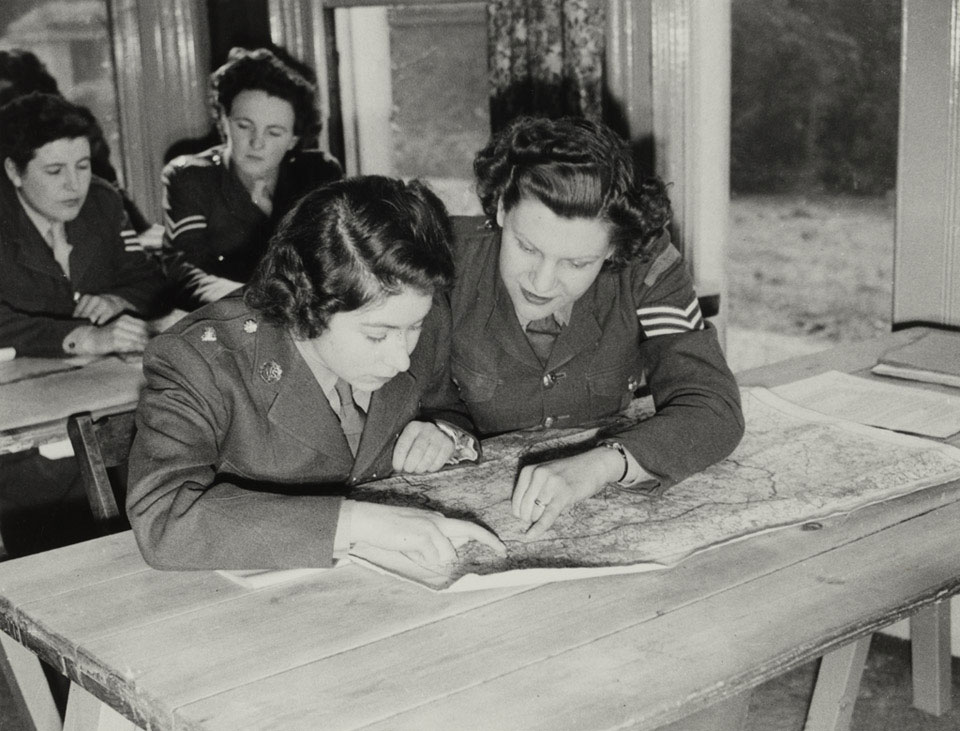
<point>545,490</point>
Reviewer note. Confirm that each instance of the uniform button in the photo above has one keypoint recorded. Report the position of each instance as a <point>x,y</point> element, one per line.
<point>548,422</point>
<point>548,381</point>
<point>374,475</point>
<point>220,258</point>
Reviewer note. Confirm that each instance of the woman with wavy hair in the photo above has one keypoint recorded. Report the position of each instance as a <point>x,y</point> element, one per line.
<point>222,205</point>
<point>262,409</point>
<point>569,297</point>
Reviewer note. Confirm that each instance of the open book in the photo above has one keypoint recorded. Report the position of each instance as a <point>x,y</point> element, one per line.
<point>933,358</point>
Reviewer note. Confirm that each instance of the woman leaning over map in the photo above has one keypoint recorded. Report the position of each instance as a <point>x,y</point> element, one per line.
<point>569,296</point>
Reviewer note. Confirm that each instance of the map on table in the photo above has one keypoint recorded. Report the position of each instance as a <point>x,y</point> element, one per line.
<point>792,466</point>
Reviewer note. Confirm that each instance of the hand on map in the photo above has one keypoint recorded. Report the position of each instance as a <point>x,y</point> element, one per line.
<point>545,490</point>
<point>424,536</point>
<point>422,447</point>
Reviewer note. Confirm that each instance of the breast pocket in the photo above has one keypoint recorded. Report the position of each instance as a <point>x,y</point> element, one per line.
<point>611,390</point>
<point>475,387</point>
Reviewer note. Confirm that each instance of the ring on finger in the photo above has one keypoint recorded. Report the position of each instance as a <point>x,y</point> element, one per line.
<point>539,502</point>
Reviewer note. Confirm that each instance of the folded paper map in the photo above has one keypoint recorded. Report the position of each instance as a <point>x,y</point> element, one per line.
<point>793,466</point>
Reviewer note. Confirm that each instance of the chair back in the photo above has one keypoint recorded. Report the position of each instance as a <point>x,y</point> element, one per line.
<point>100,445</point>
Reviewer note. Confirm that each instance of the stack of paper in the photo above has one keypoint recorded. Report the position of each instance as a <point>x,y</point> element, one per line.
<point>932,358</point>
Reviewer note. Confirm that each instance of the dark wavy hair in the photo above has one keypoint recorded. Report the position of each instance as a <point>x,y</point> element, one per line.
<point>29,122</point>
<point>578,169</point>
<point>21,72</point>
<point>348,244</point>
<point>260,69</point>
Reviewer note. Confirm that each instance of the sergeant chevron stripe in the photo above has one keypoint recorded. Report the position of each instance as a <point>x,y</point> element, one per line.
<point>666,320</point>
<point>187,223</point>
<point>131,241</point>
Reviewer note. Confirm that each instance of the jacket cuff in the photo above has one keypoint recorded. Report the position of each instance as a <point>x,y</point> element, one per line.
<point>466,447</point>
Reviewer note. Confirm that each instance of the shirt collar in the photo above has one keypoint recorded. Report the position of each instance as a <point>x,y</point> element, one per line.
<point>327,379</point>
<point>562,316</point>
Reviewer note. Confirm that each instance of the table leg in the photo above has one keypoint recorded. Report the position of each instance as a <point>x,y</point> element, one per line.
<point>727,715</point>
<point>86,712</point>
<point>28,685</point>
<point>930,649</point>
<point>838,683</point>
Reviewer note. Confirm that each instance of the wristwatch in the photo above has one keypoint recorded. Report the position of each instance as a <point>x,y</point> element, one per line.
<point>466,448</point>
<point>641,486</point>
<point>613,444</point>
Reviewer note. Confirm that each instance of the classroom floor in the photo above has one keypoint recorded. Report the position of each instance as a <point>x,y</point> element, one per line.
<point>883,703</point>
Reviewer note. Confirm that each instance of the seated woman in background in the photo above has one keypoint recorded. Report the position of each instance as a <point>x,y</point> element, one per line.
<point>222,205</point>
<point>21,72</point>
<point>261,410</point>
<point>74,279</point>
<point>567,299</point>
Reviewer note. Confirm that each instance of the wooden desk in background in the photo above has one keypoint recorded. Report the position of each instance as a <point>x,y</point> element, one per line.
<point>351,649</point>
<point>38,394</point>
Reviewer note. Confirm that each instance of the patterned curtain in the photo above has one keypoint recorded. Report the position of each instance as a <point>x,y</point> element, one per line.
<point>546,57</point>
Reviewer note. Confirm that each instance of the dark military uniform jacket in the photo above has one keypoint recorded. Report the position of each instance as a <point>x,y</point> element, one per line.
<point>239,460</point>
<point>212,228</point>
<point>37,299</point>
<point>638,324</point>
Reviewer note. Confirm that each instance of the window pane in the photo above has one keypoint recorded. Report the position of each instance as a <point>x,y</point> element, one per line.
<point>440,115</point>
<point>815,95</point>
<point>71,38</point>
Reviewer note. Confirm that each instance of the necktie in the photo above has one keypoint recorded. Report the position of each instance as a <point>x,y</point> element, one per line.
<point>57,238</point>
<point>542,334</point>
<point>351,416</point>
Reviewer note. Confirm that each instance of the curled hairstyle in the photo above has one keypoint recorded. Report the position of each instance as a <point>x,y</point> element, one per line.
<point>261,70</point>
<point>29,122</point>
<point>578,169</point>
<point>349,244</point>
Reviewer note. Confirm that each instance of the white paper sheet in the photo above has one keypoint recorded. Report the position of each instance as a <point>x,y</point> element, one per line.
<point>877,403</point>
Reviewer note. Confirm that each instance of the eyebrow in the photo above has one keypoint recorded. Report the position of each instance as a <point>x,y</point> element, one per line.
<point>247,119</point>
<point>526,241</point>
<point>61,163</point>
<point>389,326</point>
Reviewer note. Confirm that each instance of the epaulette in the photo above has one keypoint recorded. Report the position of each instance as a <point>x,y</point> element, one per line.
<point>225,324</point>
<point>663,261</point>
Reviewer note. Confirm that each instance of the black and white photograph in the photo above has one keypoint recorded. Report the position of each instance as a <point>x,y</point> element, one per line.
<point>479,365</point>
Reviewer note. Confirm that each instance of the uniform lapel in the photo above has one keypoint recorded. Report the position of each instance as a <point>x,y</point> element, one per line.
<point>33,252</point>
<point>581,333</point>
<point>235,194</point>
<point>385,420</point>
<point>297,405</point>
<point>84,239</point>
<point>504,325</point>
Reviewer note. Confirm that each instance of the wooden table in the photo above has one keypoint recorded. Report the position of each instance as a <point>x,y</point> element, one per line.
<point>351,649</point>
<point>35,400</point>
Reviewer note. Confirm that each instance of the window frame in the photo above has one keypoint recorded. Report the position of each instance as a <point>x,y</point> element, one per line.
<point>667,67</point>
<point>926,266</point>
<point>160,47</point>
